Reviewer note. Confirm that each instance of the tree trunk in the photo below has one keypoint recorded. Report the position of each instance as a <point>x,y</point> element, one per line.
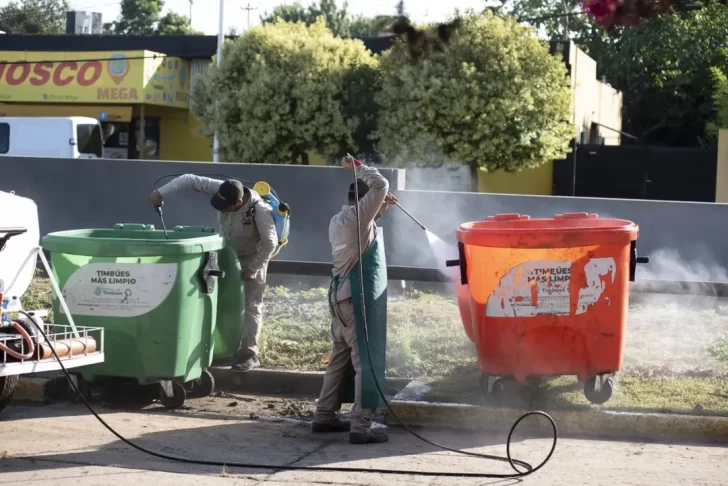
<point>304,158</point>
<point>474,186</point>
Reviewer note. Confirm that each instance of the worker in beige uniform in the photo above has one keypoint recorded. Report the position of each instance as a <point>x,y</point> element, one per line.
<point>246,221</point>
<point>348,349</point>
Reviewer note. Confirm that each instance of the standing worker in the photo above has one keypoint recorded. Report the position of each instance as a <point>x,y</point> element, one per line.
<point>347,326</point>
<point>246,222</point>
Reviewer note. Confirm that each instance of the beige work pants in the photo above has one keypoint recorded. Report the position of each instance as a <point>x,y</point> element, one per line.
<point>344,357</point>
<point>254,291</point>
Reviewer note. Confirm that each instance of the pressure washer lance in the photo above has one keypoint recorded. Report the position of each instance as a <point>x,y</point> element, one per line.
<point>424,228</point>
<point>161,218</point>
<point>413,218</point>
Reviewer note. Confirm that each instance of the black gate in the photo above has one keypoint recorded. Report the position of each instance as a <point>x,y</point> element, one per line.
<point>635,172</point>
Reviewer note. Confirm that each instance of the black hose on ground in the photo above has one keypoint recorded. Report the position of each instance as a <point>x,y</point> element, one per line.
<point>513,462</point>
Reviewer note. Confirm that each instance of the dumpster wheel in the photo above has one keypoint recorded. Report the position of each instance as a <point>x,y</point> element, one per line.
<point>494,393</point>
<point>204,386</point>
<point>177,390</point>
<point>600,395</point>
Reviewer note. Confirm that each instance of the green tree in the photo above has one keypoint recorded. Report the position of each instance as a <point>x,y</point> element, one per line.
<point>283,90</point>
<point>663,67</point>
<point>138,17</point>
<point>34,17</point>
<point>361,27</point>
<point>666,71</point>
<point>337,19</point>
<point>174,24</point>
<point>493,99</point>
<point>558,19</point>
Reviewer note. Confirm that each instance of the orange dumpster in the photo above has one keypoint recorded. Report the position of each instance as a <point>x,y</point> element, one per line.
<point>547,297</point>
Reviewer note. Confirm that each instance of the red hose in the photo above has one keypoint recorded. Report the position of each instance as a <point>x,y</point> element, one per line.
<point>28,340</point>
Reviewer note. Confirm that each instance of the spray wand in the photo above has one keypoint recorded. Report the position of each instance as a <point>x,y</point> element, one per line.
<point>413,218</point>
<point>161,218</point>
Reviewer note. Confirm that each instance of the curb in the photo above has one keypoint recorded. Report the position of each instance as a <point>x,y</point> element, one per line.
<point>48,387</point>
<point>280,382</point>
<point>571,423</point>
<point>33,390</point>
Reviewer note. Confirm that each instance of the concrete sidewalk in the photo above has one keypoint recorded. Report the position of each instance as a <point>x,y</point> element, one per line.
<point>59,443</point>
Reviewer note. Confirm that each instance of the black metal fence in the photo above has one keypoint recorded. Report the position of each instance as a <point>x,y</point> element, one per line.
<point>637,172</point>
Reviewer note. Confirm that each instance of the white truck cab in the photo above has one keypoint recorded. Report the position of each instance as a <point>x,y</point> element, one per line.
<point>72,137</point>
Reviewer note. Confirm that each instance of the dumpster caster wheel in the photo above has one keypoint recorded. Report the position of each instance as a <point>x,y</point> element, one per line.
<point>204,386</point>
<point>484,384</point>
<point>84,390</point>
<point>179,395</point>
<point>600,396</point>
<point>493,396</point>
<point>498,391</point>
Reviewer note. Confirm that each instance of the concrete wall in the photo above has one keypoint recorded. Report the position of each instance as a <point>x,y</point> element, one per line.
<point>721,179</point>
<point>593,101</point>
<point>608,112</point>
<point>687,240</point>
<point>98,193</point>
<point>86,193</point>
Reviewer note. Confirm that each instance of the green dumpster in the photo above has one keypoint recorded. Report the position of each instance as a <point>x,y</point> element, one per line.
<point>168,306</point>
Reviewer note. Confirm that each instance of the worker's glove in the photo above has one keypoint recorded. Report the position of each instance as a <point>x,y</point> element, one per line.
<point>348,163</point>
<point>156,199</point>
<point>250,274</point>
<point>389,199</point>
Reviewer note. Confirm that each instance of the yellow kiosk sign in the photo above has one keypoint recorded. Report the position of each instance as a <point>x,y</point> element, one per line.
<point>94,77</point>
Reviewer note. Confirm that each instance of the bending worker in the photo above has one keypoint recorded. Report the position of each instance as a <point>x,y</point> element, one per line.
<point>347,326</point>
<point>246,222</point>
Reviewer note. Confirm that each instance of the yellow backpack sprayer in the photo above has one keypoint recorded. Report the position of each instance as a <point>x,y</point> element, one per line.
<point>281,213</point>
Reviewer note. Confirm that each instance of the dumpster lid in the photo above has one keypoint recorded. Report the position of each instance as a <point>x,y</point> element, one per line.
<point>563,230</point>
<point>134,239</point>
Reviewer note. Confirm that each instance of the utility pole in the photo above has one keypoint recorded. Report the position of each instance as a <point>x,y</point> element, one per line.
<point>190,24</point>
<point>249,8</point>
<point>220,40</point>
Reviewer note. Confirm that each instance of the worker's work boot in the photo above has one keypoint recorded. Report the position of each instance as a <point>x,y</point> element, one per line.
<point>371,437</point>
<point>247,365</point>
<point>223,362</point>
<point>236,358</point>
<point>337,425</point>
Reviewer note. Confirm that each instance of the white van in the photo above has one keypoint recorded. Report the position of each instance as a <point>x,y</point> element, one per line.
<point>72,137</point>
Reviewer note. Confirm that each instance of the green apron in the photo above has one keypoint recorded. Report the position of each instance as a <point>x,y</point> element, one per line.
<point>374,266</point>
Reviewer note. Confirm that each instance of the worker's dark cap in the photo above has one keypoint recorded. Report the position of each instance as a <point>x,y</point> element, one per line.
<point>228,194</point>
<point>362,187</point>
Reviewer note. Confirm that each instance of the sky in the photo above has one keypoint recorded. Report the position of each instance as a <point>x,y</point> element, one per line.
<point>205,12</point>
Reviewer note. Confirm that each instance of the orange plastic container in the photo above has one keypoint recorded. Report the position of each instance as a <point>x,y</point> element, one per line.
<point>547,297</point>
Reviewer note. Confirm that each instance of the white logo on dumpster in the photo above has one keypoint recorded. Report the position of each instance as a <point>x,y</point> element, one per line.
<point>542,288</point>
<point>118,289</point>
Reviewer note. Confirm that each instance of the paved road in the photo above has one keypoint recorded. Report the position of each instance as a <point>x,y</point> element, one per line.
<point>62,444</point>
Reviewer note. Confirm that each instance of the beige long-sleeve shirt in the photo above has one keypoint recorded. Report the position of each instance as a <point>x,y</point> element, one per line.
<point>253,236</point>
<point>343,227</point>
